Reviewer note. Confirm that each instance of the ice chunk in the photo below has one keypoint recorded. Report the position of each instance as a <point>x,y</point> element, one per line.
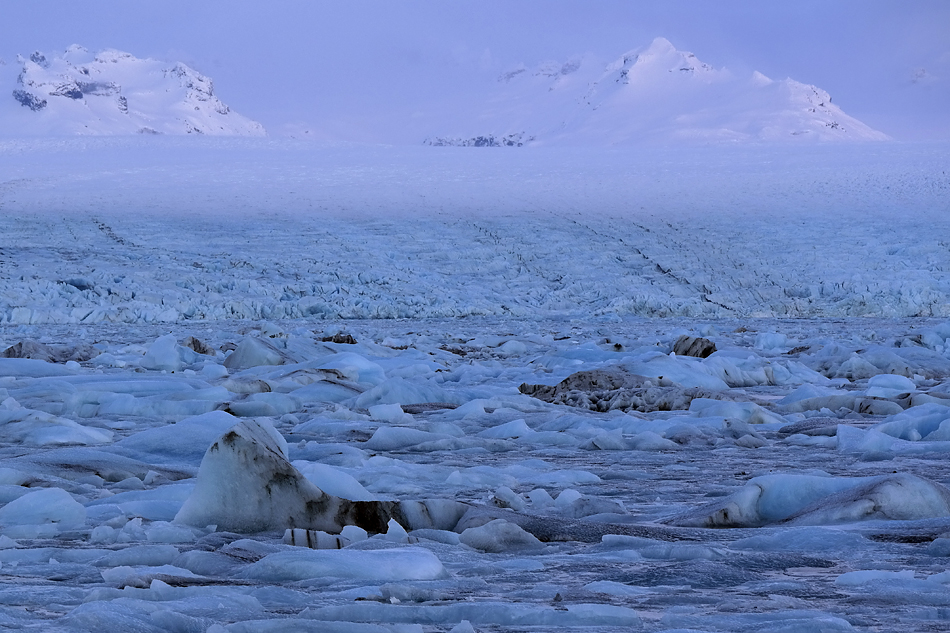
<point>618,589</point>
<point>813,500</point>
<point>853,578</point>
<point>661,550</point>
<point>406,563</point>
<point>683,370</point>
<point>770,341</point>
<point>213,371</point>
<point>103,534</point>
<point>504,497</point>
<point>151,613</point>
<point>438,514</point>
<point>142,576</point>
<point>185,441</point>
<point>803,539</point>
<point>402,391</point>
<point>157,504</point>
<point>508,430</point>
<point>391,413</point>
<point>389,438</point>
<point>889,386</point>
<point>873,442</point>
<point>575,505</point>
<point>314,539</point>
<point>499,536</point>
<point>353,533</point>
<point>440,536</point>
<point>503,614</point>
<point>608,441</point>
<point>745,411</point>
<point>38,428</point>
<point>44,512</point>
<point>165,354</point>
<point>356,368</point>
<point>246,484</point>
<point>266,404</point>
<point>808,391</point>
<point>940,547</point>
<point>650,441</point>
<point>512,348</point>
<point>165,532</point>
<point>334,481</point>
<point>304,625</point>
<point>27,367</point>
<point>253,351</point>
<point>395,533</point>
<point>899,497</point>
<point>326,391</point>
<point>928,421</point>
<point>567,497</point>
<point>943,577</point>
<point>856,368</point>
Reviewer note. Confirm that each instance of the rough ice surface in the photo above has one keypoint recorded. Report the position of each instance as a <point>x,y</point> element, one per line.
<point>452,232</point>
<point>238,402</point>
<point>404,563</point>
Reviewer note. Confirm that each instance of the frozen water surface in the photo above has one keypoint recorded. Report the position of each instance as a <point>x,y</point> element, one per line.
<point>192,322</point>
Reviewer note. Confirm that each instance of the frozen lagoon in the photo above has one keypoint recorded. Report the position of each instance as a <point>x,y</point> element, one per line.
<point>823,467</point>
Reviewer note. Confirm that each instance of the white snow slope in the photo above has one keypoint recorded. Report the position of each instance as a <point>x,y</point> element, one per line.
<point>652,94</point>
<point>112,92</point>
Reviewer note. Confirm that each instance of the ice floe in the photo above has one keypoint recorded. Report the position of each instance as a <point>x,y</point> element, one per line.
<point>191,439</point>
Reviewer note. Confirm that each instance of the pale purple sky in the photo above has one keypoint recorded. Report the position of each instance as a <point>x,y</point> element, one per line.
<point>288,62</point>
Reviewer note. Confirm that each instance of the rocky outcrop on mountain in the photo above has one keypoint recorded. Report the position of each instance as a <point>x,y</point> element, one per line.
<point>516,139</point>
<point>113,92</point>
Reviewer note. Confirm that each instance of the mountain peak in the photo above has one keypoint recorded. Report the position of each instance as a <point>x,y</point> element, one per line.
<point>114,92</point>
<point>654,93</point>
<point>659,46</point>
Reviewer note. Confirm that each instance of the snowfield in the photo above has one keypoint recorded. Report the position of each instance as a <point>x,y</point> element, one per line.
<point>258,385</point>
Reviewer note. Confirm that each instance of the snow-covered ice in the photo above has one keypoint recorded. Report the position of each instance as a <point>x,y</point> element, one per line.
<point>259,385</point>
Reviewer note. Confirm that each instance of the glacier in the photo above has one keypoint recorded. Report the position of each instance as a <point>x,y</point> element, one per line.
<point>544,232</point>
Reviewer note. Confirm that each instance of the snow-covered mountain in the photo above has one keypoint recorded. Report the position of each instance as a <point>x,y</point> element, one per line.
<point>112,92</point>
<point>656,93</point>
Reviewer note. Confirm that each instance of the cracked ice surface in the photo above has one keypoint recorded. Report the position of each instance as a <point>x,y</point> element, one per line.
<point>95,231</point>
<point>809,495</point>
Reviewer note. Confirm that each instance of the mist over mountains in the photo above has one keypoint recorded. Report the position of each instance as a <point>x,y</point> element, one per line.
<point>653,94</point>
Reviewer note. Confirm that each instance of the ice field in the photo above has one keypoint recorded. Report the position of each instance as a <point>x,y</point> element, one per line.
<point>256,385</point>
<point>94,231</point>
